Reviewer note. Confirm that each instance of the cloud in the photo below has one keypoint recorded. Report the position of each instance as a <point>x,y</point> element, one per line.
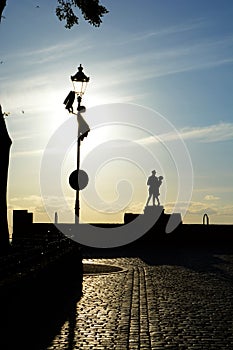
<point>30,203</point>
<point>202,211</point>
<point>31,153</point>
<point>206,134</point>
<point>226,210</point>
<point>35,203</point>
<point>30,198</point>
<point>164,61</point>
<point>194,208</point>
<point>211,133</point>
<point>216,189</point>
<point>135,207</point>
<point>161,33</point>
<point>200,208</point>
<point>50,53</point>
<point>210,197</point>
<point>175,29</point>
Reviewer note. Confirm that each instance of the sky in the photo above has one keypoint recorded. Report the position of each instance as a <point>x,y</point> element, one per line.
<point>159,97</point>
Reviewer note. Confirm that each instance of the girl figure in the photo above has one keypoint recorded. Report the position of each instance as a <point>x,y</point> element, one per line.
<point>160,180</point>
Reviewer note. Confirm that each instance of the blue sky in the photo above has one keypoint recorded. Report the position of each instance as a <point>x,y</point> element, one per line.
<point>172,57</point>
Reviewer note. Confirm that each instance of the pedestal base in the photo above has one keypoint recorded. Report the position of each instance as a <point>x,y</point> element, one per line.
<point>155,210</point>
<point>159,223</point>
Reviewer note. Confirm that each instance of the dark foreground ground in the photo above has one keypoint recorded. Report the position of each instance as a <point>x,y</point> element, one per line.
<point>168,296</point>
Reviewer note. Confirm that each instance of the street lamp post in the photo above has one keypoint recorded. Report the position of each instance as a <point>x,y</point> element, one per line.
<point>78,178</point>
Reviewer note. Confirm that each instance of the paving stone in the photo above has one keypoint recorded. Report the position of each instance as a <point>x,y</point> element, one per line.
<point>186,304</point>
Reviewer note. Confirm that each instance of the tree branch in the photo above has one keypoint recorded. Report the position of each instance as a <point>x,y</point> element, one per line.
<point>91,10</point>
<point>2,6</point>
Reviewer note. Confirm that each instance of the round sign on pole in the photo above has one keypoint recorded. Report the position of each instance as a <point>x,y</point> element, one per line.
<point>78,179</point>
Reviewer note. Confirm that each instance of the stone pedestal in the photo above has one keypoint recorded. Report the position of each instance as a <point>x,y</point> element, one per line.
<point>157,222</point>
<point>155,210</point>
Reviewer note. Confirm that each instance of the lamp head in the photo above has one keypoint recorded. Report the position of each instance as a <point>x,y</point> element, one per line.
<point>80,81</point>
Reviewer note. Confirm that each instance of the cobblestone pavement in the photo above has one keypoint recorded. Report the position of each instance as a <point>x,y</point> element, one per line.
<point>184,302</point>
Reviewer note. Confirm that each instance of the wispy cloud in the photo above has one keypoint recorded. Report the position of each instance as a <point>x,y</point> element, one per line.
<point>53,52</point>
<point>31,153</point>
<point>196,209</point>
<point>212,133</point>
<point>166,31</point>
<point>200,208</point>
<point>217,189</point>
<point>207,134</point>
<point>36,203</point>
<point>164,61</point>
<point>211,197</point>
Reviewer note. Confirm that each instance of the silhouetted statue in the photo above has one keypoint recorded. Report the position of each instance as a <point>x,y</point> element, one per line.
<point>69,100</point>
<point>83,127</point>
<point>5,143</point>
<point>154,183</point>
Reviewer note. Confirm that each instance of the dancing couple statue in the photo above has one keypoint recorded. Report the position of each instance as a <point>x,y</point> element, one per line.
<point>154,183</point>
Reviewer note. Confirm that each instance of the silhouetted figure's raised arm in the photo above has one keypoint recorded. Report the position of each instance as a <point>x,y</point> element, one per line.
<point>5,143</point>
